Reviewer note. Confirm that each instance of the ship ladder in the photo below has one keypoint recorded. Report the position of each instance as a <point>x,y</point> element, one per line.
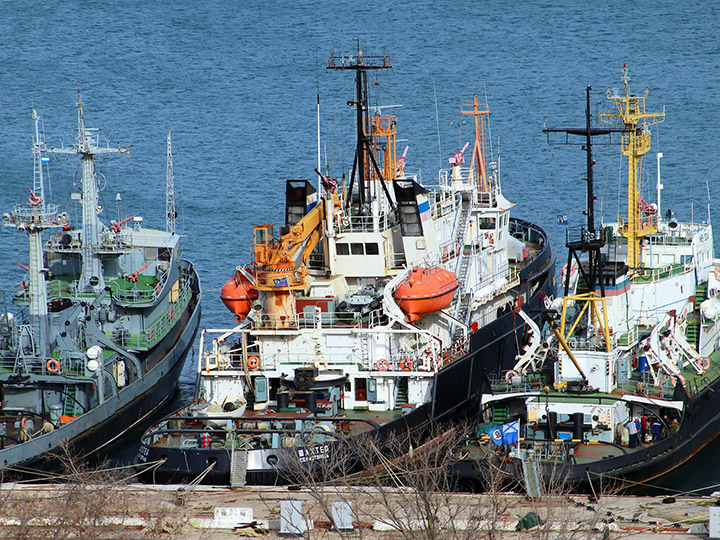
<point>463,299</point>
<point>71,400</point>
<point>532,475</point>
<point>238,465</point>
<point>500,413</point>
<point>365,351</point>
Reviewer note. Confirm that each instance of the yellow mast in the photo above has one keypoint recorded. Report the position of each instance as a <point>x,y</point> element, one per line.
<point>635,144</point>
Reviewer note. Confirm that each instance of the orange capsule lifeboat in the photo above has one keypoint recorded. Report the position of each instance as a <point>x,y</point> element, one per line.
<point>424,291</point>
<point>238,294</point>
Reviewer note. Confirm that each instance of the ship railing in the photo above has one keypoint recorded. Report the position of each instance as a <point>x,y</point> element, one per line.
<point>594,343</point>
<point>580,234</point>
<point>411,361</point>
<point>155,332</point>
<point>46,214</point>
<point>146,293</point>
<point>185,431</point>
<point>655,274</point>
<point>465,181</point>
<point>420,353</point>
<point>311,319</point>
<point>368,223</point>
<point>629,338</point>
<point>644,223</point>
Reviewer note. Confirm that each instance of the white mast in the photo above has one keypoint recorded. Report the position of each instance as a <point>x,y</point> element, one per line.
<point>170,213</point>
<point>87,146</point>
<point>659,185</point>
<point>34,219</point>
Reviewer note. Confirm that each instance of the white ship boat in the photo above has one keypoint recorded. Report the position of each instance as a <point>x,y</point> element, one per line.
<point>383,304</point>
<point>628,385</point>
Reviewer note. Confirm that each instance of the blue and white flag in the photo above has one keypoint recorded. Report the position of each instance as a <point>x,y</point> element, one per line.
<point>280,282</point>
<point>506,434</point>
<point>511,432</point>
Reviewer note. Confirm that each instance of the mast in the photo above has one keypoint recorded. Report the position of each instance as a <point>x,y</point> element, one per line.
<point>170,213</point>
<point>639,222</point>
<point>91,279</point>
<point>364,156</point>
<point>34,219</point>
<point>477,163</point>
<point>586,240</point>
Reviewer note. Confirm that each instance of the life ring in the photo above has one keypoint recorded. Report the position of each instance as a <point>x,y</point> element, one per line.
<point>673,380</point>
<point>717,273</point>
<point>253,362</point>
<point>491,239</point>
<point>158,288</point>
<point>383,365</point>
<point>509,376</point>
<point>405,364</point>
<point>705,363</point>
<point>172,314</point>
<point>152,334</point>
<point>53,365</point>
<point>346,221</point>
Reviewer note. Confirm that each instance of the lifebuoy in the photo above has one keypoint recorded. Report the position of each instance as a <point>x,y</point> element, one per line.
<point>23,423</point>
<point>383,365</point>
<point>491,239</point>
<point>158,288</point>
<point>673,380</point>
<point>705,363</point>
<point>172,314</point>
<point>53,365</point>
<point>509,376</point>
<point>253,362</point>
<point>405,364</point>
<point>717,273</point>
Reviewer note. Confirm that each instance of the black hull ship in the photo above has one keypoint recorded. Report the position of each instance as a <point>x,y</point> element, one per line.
<point>107,314</point>
<point>625,386</point>
<point>382,308</point>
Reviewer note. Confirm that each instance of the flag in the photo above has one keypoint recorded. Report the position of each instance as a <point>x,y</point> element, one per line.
<point>506,434</point>
<point>496,435</point>
<point>511,432</point>
<point>280,282</point>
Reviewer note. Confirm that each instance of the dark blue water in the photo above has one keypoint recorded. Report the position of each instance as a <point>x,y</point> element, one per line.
<point>237,84</point>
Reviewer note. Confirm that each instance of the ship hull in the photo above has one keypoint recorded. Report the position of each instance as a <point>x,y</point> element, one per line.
<point>457,389</point>
<point>698,428</point>
<point>98,429</point>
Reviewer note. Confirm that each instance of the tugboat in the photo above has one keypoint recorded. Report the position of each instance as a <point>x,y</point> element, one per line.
<point>382,306</point>
<point>107,316</point>
<point>627,385</point>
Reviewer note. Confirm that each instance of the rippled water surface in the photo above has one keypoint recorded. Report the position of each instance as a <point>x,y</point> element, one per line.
<point>237,84</point>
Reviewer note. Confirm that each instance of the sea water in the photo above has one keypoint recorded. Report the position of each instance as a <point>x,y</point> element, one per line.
<point>237,83</point>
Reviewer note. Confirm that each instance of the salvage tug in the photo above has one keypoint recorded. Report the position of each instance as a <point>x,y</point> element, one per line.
<point>625,385</point>
<point>380,307</point>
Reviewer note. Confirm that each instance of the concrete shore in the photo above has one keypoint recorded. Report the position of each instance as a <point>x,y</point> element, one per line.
<point>200,512</point>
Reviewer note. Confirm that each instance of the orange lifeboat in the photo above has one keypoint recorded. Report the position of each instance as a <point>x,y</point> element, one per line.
<point>238,294</point>
<point>424,291</point>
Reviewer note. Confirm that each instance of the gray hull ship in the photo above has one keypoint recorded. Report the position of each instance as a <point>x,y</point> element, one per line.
<point>105,318</point>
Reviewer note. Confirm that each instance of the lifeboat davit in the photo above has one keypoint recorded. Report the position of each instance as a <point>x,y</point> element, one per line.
<point>238,295</point>
<point>424,291</point>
